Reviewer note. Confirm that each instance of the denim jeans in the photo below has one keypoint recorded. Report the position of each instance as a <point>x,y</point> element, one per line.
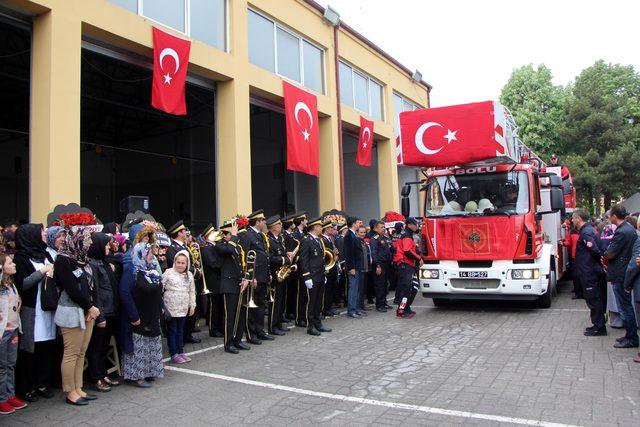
<point>175,335</point>
<point>625,305</point>
<point>354,292</point>
<point>8,356</point>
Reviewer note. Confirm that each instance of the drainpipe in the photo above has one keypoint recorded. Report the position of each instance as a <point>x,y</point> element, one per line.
<point>339,110</point>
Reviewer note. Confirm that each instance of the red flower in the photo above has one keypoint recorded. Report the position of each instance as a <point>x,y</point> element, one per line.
<point>77,218</point>
<point>242,222</point>
<point>392,216</point>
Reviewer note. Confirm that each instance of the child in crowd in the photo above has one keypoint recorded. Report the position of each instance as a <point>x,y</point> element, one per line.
<point>9,329</point>
<point>180,301</point>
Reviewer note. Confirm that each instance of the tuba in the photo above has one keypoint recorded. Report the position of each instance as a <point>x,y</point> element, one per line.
<point>329,260</point>
<point>196,256</point>
<point>286,270</point>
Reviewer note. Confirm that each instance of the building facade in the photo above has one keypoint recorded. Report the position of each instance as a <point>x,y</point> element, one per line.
<point>81,129</point>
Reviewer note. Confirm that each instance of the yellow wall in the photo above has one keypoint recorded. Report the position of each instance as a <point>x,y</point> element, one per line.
<point>55,122</point>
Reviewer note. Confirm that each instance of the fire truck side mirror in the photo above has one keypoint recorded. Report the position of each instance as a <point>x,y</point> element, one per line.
<point>406,190</point>
<point>557,199</point>
<point>405,206</point>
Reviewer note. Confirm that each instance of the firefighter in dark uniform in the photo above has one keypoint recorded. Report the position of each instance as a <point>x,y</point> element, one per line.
<point>211,267</point>
<point>277,258</point>
<point>312,275</point>
<point>291,282</point>
<point>255,239</point>
<point>382,255</point>
<point>589,269</point>
<point>299,233</point>
<point>408,261</point>
<point>179,235</point>
<point>231,287</point>
<point>329,230</point>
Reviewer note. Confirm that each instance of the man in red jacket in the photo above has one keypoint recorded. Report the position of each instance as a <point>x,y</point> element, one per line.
<point>408,261</point>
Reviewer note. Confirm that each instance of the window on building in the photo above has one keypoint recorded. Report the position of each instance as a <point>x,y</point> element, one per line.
<point>285,53</point>
<point>288,54</point>
<point>203,20</point>
<point>261,44</point>
<point>401,104</point>
<point>360,91</point>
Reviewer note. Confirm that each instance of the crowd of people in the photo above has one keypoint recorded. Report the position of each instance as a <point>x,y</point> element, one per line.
<point>69,291</point>
<point>606,270</point>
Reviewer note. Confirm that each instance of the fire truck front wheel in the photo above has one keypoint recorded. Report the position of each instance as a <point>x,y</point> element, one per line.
<point>441,302</point>
<point>545,300</point>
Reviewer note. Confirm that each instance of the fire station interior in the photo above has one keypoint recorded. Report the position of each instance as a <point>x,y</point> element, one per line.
<point>15,62</point>
<point>274,188</point>
<point>128,148</point>
<point>360,182</point>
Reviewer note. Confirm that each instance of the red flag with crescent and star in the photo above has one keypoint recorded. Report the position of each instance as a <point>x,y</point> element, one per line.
<point>303,136</point>
<point>170,63</point>
<point>454,135</point>
<point>365,142</point>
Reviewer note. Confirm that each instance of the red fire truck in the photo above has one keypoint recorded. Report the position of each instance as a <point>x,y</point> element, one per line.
<point>491,228</point>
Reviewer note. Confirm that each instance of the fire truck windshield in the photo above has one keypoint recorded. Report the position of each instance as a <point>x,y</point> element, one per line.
<point>502,193</point>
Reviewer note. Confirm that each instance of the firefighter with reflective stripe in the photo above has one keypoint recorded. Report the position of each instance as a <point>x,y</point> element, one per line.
<point>589,270</point>
<point>408,261</point>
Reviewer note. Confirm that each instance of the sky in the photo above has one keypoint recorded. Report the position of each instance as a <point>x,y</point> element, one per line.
<point>467,49</point>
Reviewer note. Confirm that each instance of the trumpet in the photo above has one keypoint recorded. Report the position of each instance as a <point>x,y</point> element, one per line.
<point>286,270</point>
<point>196,256</point>
<point>250,274</point>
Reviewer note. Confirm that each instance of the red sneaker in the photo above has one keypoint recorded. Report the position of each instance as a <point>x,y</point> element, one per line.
<point>6,409</point>
<point>16,403</point>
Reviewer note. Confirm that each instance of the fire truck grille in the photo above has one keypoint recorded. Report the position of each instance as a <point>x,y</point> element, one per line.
<point>475,283</point>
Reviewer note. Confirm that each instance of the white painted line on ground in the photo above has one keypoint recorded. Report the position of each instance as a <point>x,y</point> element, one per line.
<point>202,350</point>
<point>373,402</point>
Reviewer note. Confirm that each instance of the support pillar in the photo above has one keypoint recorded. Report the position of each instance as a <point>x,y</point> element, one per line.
<point>329,180</point>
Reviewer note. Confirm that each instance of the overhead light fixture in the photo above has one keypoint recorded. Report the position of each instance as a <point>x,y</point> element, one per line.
<point>331,16</point>
<point>417,76</point>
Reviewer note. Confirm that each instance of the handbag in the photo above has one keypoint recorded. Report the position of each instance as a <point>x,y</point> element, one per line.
<point>49,294</point>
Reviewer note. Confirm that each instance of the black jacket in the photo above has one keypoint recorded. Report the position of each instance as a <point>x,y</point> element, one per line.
<point>211,264</point>
<point>228,254</point>
<point>353,255</point>
<point>312,260</point>
<point>339,243</point>
<point>587,262</point>
<point>106,289</point>
<point>277,253</point>
<point>77,287</point>
<point>254,241</point>
<point>619,252</point>
<point>381,250</point>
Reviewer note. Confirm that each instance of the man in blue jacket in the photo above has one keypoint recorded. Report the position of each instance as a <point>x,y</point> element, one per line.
<point>618,255</point>
<point>354,259</point>
<point>632,277</point>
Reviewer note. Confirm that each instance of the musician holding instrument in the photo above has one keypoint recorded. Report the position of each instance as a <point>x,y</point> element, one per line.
<point>299,233</point>
<point>291,282</point>
<point>329,231</point>
<point>233,287</point>
<point>179,236</point>
<point>211,278</point>
<point>278,258</point>
<point>312,272</point>
<point>255,239</point>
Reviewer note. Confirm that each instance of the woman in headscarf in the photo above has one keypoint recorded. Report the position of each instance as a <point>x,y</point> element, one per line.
<point>76,311</point>
<point>55,238</point>
<point>37,342</point>
<point>107,302</point>
<point>141,297</point>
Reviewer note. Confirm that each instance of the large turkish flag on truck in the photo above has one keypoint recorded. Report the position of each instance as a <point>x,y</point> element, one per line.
<point>456,135</point>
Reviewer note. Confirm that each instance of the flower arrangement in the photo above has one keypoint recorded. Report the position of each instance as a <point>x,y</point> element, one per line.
<point>75,218</point>
<point>391,218</point>
<point>242,221</point>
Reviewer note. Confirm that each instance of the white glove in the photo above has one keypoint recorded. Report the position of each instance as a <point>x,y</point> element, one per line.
<point>308,283</point>
<point>325,280</point>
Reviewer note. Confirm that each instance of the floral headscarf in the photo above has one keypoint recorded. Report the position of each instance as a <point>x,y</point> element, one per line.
<point>608,231</point>
<point>139,259</point>
<point>76,243</point>
<point>52,234</point>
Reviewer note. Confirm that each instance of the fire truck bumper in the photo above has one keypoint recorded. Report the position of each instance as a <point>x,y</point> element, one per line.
<point>503,280</point>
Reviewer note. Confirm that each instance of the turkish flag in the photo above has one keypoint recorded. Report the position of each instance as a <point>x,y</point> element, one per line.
<point>365,142</point>
<point>170,63</point>
<point>303,137</point>
<point>454,135</point>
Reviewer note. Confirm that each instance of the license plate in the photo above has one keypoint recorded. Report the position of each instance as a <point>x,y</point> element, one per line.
<point>473,274</point>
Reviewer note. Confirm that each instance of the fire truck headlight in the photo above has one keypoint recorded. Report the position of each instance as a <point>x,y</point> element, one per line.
<point>525,274</point>
<point>430,274</point>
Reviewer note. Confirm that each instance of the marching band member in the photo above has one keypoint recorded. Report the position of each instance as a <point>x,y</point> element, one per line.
<point>329,230</point>
<point>300,221</point>
<point>232,286</point>
<point>291,282</point>
<point>255,239</point>
<point>277,258</point>
<point>211,272</point>
<point>313,275</point>
<point>341,292</point>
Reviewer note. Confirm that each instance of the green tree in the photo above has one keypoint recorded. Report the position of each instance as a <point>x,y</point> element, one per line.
<point>602,125</point>
<point>537,106</point>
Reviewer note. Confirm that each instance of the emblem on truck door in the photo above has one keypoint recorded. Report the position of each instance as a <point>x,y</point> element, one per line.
<point>474,237</point>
